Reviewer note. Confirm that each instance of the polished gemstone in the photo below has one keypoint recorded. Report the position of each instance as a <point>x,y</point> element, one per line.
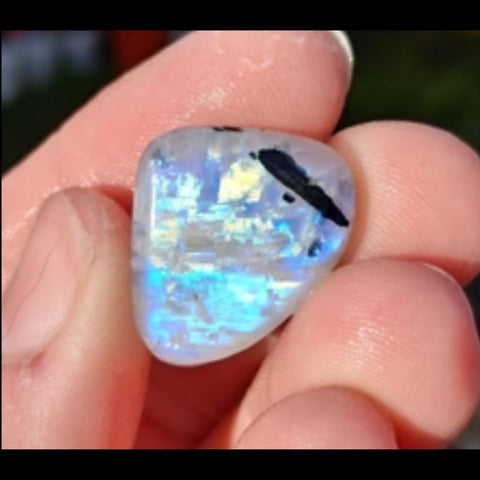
<point>232,230</point>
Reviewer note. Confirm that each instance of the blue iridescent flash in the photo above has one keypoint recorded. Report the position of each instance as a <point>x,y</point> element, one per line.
<point>223,250</point>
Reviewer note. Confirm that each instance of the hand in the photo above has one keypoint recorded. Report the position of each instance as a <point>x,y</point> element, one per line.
<point>384,354</point>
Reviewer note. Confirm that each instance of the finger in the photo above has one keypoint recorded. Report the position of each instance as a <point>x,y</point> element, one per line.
<point>399,332</point>
<point>73,369</point>
<point>332,417</point>
<point>292,81</point>
<point>418,195</point>
<point>182,404</point>
<point>242,78</point>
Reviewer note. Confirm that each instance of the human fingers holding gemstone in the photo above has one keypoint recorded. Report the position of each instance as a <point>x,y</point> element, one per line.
<point>369,327</point>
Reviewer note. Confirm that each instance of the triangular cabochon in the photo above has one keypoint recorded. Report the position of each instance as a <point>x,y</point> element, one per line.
<point>232,229</point>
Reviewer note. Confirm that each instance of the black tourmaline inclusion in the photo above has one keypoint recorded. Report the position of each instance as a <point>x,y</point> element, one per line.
<point>284,169</point>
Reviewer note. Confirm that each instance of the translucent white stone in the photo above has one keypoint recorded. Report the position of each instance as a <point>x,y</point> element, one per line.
<point>232,229</point>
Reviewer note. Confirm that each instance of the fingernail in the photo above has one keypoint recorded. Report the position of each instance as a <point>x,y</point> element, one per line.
<point>441,272</point>
<point>344,42</point>
<point>38,299</point>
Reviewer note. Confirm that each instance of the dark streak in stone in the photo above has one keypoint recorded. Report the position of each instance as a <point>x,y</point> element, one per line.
<point>160,159</point>
<point>226,128</point>
<point>288,198</point>
<point>314,248</point>
<point>284,169</point>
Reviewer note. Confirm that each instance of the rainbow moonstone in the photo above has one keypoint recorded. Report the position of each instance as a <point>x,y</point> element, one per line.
<point>232,230</point>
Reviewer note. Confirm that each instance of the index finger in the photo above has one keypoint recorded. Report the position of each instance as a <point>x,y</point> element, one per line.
<point>290,81</point>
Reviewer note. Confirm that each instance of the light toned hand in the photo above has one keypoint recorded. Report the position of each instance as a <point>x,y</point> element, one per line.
<point>384,354</point>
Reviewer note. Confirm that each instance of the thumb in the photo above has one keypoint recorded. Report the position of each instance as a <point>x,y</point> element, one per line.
<point>74,371</point>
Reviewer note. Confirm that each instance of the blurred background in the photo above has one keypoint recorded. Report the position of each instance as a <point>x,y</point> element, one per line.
<point>431,77</point>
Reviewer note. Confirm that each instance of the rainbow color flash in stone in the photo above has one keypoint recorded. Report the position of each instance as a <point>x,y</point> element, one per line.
<point>232,230</point>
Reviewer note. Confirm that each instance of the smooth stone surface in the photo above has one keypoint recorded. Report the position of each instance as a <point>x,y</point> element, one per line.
<point>232,229</point>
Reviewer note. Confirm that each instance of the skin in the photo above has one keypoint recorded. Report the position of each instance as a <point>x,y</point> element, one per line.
<point>384,354</point>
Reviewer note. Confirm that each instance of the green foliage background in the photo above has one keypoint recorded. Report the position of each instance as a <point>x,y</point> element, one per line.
<point>432,77</point>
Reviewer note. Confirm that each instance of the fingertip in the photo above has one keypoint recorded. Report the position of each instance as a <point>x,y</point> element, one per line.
<point>418,195</point>
<point>395,330</point>
<point>324,418</point>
